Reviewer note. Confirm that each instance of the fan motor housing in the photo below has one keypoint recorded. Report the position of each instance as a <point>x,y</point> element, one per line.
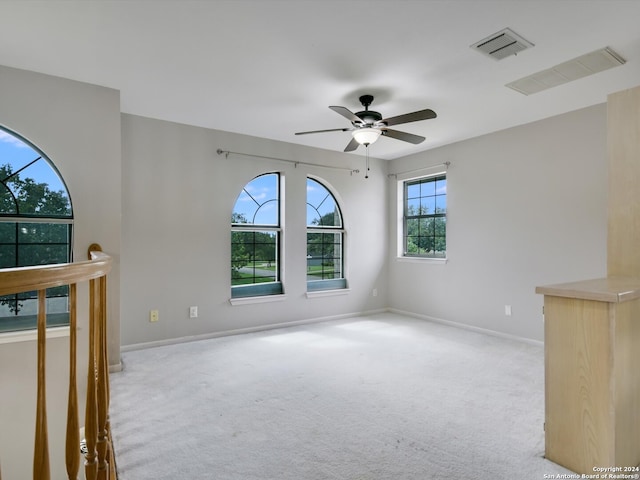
<point>368,116</point>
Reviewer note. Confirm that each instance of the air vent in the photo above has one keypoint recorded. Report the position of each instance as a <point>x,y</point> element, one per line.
<point>579,67</point>
<point>502,44</point>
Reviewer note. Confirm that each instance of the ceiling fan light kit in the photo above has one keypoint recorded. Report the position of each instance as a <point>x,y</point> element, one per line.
<point>366,136</point>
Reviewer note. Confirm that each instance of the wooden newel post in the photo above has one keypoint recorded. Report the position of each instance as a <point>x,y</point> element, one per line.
<point>592,327</point>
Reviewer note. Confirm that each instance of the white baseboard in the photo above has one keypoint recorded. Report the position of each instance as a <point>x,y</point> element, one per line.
<point>115,367</point>
<point>464,326</point>
<point>273,326</point>
<point>239,331</point>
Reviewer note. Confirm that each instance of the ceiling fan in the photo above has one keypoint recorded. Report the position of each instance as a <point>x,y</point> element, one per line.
<point>368,125</point>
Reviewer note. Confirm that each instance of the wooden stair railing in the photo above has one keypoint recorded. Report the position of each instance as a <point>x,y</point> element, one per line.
<point>100,460</point>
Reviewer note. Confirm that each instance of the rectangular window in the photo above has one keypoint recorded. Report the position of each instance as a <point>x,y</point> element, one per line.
<point>425,217</point>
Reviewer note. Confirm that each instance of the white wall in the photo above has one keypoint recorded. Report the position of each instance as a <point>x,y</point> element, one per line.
<point>526,207</point>
<point>178,196</point>
<point>78,126</point>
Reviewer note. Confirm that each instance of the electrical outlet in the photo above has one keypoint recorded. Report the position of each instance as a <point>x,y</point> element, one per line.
<point>374,293</point>
<point>193,312</point>
<point>154,316</point>
<point>507,310</point>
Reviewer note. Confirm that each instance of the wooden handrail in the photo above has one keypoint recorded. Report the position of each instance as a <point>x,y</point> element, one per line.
<point>27,279</point>
<point>99,461</point>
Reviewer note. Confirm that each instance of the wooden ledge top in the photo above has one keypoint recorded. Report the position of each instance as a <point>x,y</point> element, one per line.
<point>610,289</point>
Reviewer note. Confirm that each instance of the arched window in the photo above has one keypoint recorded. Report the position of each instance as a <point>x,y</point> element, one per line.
<point>35,228</point>
<point>325,239</point>
<point>255,239</point>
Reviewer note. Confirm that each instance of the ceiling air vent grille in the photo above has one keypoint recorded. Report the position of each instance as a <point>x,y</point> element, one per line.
<point>502,44</point>
<point>568,71</point>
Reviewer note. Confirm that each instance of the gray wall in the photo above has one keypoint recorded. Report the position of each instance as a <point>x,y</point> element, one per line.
<point>526,207</point>
<point>178,196</point>
<point>78,126</point>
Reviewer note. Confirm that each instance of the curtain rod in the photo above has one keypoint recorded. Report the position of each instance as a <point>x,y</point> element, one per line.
<point>445,164</point>
<point>295,162</point>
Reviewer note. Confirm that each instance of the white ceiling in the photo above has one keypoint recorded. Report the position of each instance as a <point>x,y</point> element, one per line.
<point>270,68</point>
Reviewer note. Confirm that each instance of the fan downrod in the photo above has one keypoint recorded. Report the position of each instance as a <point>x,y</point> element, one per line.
<point>368,117</point>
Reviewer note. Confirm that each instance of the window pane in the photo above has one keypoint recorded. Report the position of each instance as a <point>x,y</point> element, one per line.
<point>440,246</point>
<point>254,257</point>
<point>20,312</point>
<point>30,185</point>
<point>267,213</point>
<point>413,206</point>
<point>44,196</point>
<point>427,187</point>
<point>8,203</point>
<point>258,203</point>
<point>42,254</point>
<point>329,215</point>
<point>411,246</point>
<point>314,245</point>
<point>7,256</point>
<point>8,233</point>
<point>324,256</point>
<point>427,205</point>
<point>43,233</point>
<point>322,209</point>
<point>425,221</point>
<point>427,227</point>
<point>413,226</point>
<point>413,190</point>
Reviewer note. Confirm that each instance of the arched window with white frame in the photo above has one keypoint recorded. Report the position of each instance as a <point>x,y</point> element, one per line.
<point>256,238</point>
<point>325,239</point>
<point>36,220</point>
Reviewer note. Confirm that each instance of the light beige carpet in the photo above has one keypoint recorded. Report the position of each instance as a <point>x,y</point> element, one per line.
<point>382,397</point>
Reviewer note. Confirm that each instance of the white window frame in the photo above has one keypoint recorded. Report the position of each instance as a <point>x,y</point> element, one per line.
<point>401,256</point>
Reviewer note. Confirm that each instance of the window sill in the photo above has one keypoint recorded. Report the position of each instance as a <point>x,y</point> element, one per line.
<point>32,335</point>
<point>327,293</point>
<point>257,299</point>
<point>423,260</point>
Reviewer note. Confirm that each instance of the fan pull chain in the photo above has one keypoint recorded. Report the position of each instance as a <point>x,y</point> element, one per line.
<point>366,148</point>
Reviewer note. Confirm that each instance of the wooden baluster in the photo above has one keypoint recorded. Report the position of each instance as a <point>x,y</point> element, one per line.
<point>41,451</point>
<point>110,453</point>
<point>103,375</point>
<point>91,414</point>
<point>105,348</point>
<point>73,429</point>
